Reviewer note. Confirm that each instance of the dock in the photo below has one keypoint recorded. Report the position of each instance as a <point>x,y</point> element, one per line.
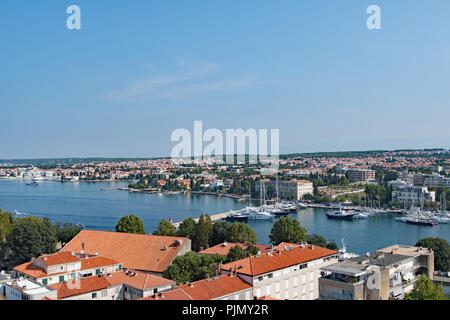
<point>214,217</point>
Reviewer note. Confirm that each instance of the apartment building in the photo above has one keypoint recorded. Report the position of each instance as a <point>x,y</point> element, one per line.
<point>142,252</point>
<point>64,266</point>
<point>427,180</point>
<point>389,273</point>
<point>289,190</point>
<point>360,174</point>
<point>121,285</point>
<point>288,272</point>
<point>410,194</point>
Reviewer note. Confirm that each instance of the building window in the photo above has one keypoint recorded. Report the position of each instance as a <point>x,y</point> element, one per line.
<point>61,278</point>
<point>94,295</point>
<point>104,293</point>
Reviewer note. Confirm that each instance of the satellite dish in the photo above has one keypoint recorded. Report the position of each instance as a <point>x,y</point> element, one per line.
<point>3,272</point>
<point>21,278</point>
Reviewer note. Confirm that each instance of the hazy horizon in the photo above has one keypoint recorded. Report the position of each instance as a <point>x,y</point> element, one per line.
<point>137,71</point>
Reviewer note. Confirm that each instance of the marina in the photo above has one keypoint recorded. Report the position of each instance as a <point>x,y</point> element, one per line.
<point>86,204</point>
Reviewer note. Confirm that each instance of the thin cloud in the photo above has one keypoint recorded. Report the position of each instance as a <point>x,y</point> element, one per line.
<point>179,85</point>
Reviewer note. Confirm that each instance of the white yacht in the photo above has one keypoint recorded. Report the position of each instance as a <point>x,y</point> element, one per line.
<point>260,215</point>
<point>343,254</point>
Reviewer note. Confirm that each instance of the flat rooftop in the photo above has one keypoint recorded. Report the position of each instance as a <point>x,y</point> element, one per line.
<point>383,258</point>
<point>406,250</point>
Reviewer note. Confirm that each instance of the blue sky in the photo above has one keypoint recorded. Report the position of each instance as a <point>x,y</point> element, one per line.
<point>137,70</point>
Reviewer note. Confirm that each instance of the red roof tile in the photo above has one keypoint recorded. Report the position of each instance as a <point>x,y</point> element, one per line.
<point>86,285</point>
<point>140,280</point>
<point>136,251</point>
<point>279,259</point>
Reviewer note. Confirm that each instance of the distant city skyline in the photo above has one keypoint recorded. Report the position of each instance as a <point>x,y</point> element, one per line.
<point>137,71</point>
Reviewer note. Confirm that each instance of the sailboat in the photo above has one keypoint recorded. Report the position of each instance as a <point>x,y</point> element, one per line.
<point>259,214</point>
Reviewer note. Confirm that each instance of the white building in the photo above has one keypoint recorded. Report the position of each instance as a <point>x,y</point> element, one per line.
<point>410,194</point>
<point>24,289</point>
<point>289,190</point>
<point>289,272</point>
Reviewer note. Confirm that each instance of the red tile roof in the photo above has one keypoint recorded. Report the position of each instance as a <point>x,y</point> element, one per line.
<point>135,251</point>
<point>215,287</point>
<point>74,288</point>
<point>139,280</point>
<point>279,259</point>
<point>58,258</point>
<point>176,294</point>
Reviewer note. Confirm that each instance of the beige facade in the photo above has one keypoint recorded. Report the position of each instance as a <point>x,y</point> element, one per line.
<point>389,273</point>
<point>297,282</point>
<point>289,190</point>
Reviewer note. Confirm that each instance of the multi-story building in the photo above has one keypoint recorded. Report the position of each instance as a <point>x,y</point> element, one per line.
<point>142,252</point>
<point>389,273</point>
<point>121,285</point>
<point>428,180</point>
<point>409,194</point>
<point>290,272</point>
<point>66,275</point>
<point>360,174</point>
<point>436,180</point>
<point>25,289</point>
<point>289,190</point>
<point>64,266</point>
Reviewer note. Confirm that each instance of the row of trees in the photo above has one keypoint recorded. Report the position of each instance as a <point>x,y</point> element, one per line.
<point>24,238</point>
<point>204,233</point>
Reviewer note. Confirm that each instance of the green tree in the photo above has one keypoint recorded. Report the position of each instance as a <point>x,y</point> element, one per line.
<point>165,228</point>
<point>6,224</point>
<point>426,290</point>
<point>242,233</point>
<point>317,240</point>
<point>221,233</point>
<point>332,246</point>
<point>287,230</point>
<point>236,253</point>
<point>192,266</point>
<point>130,224</point>
<point>187,228</point>
<point>252,250</point>
<point>66,233</point>
<point>203,233</point>
<point>441,250</point>
<point>31,237</point>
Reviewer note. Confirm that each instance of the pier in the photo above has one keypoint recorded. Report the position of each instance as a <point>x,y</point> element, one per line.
<point>214,217</point>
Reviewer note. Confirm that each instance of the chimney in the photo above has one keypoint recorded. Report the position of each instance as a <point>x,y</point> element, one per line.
<point>82,248</point>
<point>312,247</point>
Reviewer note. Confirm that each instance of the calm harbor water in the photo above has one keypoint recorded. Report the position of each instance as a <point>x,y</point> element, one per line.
<point>86,203</point>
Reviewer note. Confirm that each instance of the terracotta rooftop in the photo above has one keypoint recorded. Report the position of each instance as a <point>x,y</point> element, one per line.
<point>176,294</point>
<point>224,248</point>
<point>278,259</point>
<point>82,286</point>
<point>86,263</point>
<point>135,251</point>
<point>138,280</point>
<point>58,258</point>
<point>215,287</point>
